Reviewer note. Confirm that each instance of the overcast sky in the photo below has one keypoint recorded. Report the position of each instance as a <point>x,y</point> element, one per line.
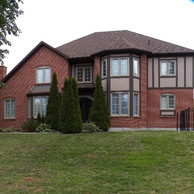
<point>60,21</point>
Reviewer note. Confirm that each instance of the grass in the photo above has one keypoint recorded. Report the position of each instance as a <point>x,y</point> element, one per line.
<point>125,162</point>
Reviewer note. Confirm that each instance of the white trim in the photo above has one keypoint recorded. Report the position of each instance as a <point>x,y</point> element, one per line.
<point>42,68</point>
<point>83,74</point>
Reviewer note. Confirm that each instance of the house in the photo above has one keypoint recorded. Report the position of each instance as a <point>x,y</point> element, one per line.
<point>145,80</point>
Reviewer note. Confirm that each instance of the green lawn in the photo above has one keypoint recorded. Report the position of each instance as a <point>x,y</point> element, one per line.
<point>124,162</point>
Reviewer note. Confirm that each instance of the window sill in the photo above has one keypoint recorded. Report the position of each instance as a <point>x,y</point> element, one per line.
<point>12,119</point>
<point>119,116</point>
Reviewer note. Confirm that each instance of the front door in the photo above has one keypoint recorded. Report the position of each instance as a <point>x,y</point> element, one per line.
<point>85,105</point>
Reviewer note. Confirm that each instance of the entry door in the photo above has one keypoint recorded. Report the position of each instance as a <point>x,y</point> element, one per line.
<point>85,105</point>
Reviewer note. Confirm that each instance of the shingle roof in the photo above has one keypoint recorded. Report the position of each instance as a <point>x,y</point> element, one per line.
<point>39,89</point>
<point>118,40</point>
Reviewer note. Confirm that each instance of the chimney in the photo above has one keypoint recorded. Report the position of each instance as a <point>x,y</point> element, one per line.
<point>3,71</point>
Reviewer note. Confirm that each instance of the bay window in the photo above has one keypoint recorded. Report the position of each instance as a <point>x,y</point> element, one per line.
<point>119,67</point>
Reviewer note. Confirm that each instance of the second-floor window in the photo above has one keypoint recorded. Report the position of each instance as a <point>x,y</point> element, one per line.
<point>43,74</point>
<point>84,74</point>
<point>136,67</point>
<point>167,68</point>
<point>119,66</point>
<point>104,68</point>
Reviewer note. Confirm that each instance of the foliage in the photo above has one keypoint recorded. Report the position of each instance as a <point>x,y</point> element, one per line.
<point>9,11</point>
<point>99,113</point>
<point>78,125</point>
<point>125,162</point>
<point>9,130</point>
<point>30,125</point>
<point>69,111</point>
<point>90,127</point>
<point>43,128</point>
<point>52,111</point>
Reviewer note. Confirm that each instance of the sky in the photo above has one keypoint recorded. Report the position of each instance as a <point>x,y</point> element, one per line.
<point>57,22</point>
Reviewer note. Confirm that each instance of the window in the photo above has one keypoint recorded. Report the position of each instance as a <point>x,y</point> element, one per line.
<point>9,109</point>
<point>120,67</point>
<point>167,68</point>
<point>136,104</point>
<point>136,67</point>
<point>84,74</point>
<point>104,68</point>
<point>167,102</point>
<point>43,75</point>
<point>120,104</point>
<point>39,105</point>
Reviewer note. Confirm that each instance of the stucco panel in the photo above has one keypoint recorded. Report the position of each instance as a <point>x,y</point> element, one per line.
<point>180,72</point>
<point>167,82</point>
<point>150,81</point>
<point>119,84</point>
<point>155,72</point>
<point>189,70</point>
<point>136,84</point>
<point>104,85</point>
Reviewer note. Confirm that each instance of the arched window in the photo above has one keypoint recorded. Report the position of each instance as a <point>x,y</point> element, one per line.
<point>43,74</point>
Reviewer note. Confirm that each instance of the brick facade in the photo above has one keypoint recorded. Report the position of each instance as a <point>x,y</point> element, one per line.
<point>25,78</point>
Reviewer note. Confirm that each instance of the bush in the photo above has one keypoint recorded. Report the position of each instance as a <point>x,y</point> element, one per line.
<point>9,130</point>
<point>91,127</point>
<point>29,125</point>
<point>43,128</point>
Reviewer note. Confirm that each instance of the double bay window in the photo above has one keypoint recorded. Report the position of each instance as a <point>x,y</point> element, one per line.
<point>167,68</point>
<point>84,74</point>
<point>167,102</point>
<point>43,75</point>
<point>9,109</point>
<point>120,104</point>
<point>120,67</point>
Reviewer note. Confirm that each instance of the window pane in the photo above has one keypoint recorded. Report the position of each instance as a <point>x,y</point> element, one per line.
<point>44,104</point>
<point>7,109</point>
<point>171,101</point>
<point>36,106</point>
<point>163,68</point>
<point>39,75</point>
<point>115,104</point>
<point>79,74</point>
<point>171,68</point>
<point>135,67</point>
<point>124,67</point>
<point>135,104</point>
<point>163,102</point>
<point>87,74</point>
<point>104,68</point>
<point>124,103</point>
<point>115,67</point>
<point>12,108</point>
<point>47,75</point>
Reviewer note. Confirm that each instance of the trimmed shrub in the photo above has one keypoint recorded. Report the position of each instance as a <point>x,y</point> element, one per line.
<point>90,127</point>
<point>29,125</point>
<point>43,128</point>
<point>99,113</point>
<point>52,110</point>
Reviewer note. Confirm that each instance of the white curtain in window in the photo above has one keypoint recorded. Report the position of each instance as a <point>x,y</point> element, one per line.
<point>124,67</point>
<point>36,106</point>
<point>47,75</point>
<point>163,102</point>
<point>44,104</point>
<point>115,104</point>
<point>39,75</point>
<point>163,68</point>
<point>135,67</point>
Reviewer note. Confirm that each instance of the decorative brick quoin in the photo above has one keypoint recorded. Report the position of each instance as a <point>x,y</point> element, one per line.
<point>146,81</point>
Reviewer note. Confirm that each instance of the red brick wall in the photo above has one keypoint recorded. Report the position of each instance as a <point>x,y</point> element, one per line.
<point>25,78</point>
<point>96,67</point>
<point>184,99</point>
<point>136,122</point>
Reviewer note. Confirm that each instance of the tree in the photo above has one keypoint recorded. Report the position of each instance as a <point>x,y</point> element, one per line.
<point>78,125</point>
<point>52,110</point>
<point>69,112</point>
<point>9,11</point>
<point>99,113</point>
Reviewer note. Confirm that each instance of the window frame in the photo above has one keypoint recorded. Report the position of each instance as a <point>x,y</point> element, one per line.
<point>102,68</point>
<point>43,81</point>
<point>119,66</point>
<point>167,102</point>
<point>41,105</point>
<point>168,62</point>
<point>138,67</point>
<point>10,108</point>
<point>138,104</point>
<point>120,104</point>
<point>83,76</point>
